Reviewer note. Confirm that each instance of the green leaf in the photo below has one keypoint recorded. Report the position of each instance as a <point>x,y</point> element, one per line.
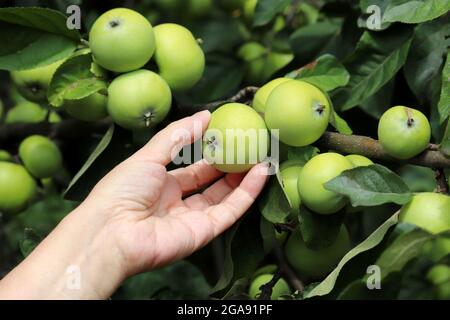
<point>445,143</point>
<point>267,231</point>
<point>326,73</point>
<point>370,186</point>
<point>274,204</point>
<point>266,10</point>
<point>318,230</point>
<point>444,100</point>
<point>237,290</point>
<point>426,57</point>
<point>327,285</point>
<point>114,147</point>
<point>243,251</point>
<point>34,37</point>
<point>406,247</point>
<point>74,80</point>
<point>43,19</point>
<point>318,36</point>
<point>30,241</point>
<point>379,102</point>
<point>376,60</point>
<point>340,124</point>
<point>415,11</point>
<point>302,154</point>
<point>40,218</point>
<point>180,280</point>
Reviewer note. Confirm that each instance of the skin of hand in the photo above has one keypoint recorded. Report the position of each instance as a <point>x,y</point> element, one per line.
<point>137,218</point>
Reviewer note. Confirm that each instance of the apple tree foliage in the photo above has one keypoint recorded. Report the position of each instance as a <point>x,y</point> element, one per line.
<point>367,55</point>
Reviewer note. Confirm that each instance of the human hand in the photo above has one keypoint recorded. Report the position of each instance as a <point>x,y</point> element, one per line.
<point>138,217</point>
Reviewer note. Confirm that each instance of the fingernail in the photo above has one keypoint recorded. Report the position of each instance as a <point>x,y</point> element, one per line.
<point>201,114</point>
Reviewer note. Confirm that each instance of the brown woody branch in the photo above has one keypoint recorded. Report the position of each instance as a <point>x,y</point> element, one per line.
<point>442,184</point>
<point>371,148</point>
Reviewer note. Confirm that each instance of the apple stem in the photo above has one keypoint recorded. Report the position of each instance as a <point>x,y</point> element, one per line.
<point>410,121</point>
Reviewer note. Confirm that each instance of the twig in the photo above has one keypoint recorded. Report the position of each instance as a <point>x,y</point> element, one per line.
<point>286,270</point>
<point>442,184</point>
<point>266,289</point>
<point>240,96</point>
<point>371,148</point>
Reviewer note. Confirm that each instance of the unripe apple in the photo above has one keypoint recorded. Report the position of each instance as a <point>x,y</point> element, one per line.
<point>33,83</point>
<point>279,289</point>
<point>236,138</point>
<point>429,211</point>
<point>299,110</point>
<point>316,264</point>
<point>249,9</point>
<point>314,175</point>
<point>437,248</point>
<point>198,8</point>
<point>122,40</point>
<point>5,155</point>
<point>253,53</point>
<point>290,172</point>
<point>139,99</point>
<point>180,59</point>
<point>91,108</point>
<point>260,98</point>
<point>358,160</point>
<point>404,132</point>
<point>26,112</point>
<point>17,187</point>
<point>439,276</point>
<point>41,156</point>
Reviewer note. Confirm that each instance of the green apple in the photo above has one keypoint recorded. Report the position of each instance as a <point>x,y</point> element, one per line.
<point>439,276</point>
<point>299,110</point>
<point>316,264</point>
<point>236,138</point>
<point>198,8</point>
<point>91,108</point>
<point>404,132</point>
<point>40,156</point>
<point>429,211</point>
<point>289,172</point>
<point>138,100</point>
<point>33,83</point>
<point>26,112</point>
<point>5,155</point>
<point>280,288</point>
<point>249,9</point>
<point>169,6</point>
<point>253,54</point>
<point>122,40</point>
<point>358,160</point>
<point>180,59</point>
<point>17,187</point>
<point>15,95</point>
<point>260,98</point>
<point>437,248</point>
<point>314,175</point>
<point>260,62</point>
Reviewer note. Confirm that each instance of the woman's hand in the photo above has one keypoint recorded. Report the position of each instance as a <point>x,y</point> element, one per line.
<point>138,217</point>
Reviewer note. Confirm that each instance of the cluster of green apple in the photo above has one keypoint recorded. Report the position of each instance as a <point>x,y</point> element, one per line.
<point>123,42</point>
<point>40,158</point>
<point>301,113</point>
